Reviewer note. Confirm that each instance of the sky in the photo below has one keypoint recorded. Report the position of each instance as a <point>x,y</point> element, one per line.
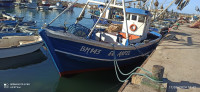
<point>189,9</point>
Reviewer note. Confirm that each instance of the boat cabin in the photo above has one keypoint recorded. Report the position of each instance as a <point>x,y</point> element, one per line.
<point>138,22</point>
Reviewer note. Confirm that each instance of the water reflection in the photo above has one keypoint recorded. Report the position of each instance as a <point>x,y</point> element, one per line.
<point>101,81</point>
<point>47,16</point>
<point>34,68</point>
<point>97,81</point>
<point>22,60</point>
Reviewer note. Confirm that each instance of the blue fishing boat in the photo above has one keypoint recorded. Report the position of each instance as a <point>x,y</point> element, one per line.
<point>6,3</point>
<point>95,49</point>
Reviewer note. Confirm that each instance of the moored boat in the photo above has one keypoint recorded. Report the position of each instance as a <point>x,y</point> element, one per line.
<point>44,6</point>
<point>95,49</point>
<point>6,3</point>
<point>19,45</point>
<point>11,17</point>
<point>58,6</point>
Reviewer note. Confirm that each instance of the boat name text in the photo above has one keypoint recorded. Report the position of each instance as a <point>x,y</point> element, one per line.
<point>121,53</point>
<point>90,50</point>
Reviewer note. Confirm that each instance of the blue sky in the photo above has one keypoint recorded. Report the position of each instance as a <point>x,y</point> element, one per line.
<point>190,8</point>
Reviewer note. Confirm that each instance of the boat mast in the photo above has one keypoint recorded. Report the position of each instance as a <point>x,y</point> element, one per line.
<point>99,18</point>
<point>125,21</point>
<point>63,12</point>
<point>83,10</point>
<point>150,5</point>
<point>145,3</point>
<point>166,8</point>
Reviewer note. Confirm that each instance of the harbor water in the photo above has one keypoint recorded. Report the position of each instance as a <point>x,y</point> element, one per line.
<point>36,72</point>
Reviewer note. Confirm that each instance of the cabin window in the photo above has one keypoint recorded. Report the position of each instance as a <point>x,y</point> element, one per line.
<point>134,17</point>
<point>141,19</point>
<point>128,16</point>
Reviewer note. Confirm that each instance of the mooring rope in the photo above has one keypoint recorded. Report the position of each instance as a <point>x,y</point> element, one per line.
<point>130,73</point>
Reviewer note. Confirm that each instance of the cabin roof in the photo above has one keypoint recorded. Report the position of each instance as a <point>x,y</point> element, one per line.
<point>138,11</point>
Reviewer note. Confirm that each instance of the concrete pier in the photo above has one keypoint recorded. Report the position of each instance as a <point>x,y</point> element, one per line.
<point>179,54</point>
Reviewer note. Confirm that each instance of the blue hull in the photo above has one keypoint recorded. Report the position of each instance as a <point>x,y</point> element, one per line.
<point>6,4</point>
<point>71,57</point>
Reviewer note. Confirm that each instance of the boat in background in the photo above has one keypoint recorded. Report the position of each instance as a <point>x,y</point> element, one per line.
<point>11,46</point>
<point>14,34</point>
<point>6,3</point>
<point>32,4</point>
<point>70,8</point>
<point>95,48</point>
<point>11,17</point>
<point>58,6</point>
<point>22,60</point>
<point>44,6</point>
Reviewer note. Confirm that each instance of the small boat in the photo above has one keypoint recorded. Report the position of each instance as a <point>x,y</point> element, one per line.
<point>11,17</point>
<point>70,8</point>
<point>44,6</point>
<point>32,4</point>
<point>22,60</point>
<point>19,45</point>
<point>96,49</point>
<point>58,6</point>
<point>6,3</point>
<point>14,34</point>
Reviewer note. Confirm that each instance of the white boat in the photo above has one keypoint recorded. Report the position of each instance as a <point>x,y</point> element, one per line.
<point>32,4</point>
<point>19,45</point>
<point>45,5</point>
<point>8,16</point>
<point>71,8</point>
<point>11,17</point>
<point>58,6</point>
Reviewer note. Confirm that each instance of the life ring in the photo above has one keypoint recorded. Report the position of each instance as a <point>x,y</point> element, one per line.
<point>133,27</point>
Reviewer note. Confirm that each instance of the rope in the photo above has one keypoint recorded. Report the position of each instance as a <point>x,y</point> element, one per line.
<point>130,73</point>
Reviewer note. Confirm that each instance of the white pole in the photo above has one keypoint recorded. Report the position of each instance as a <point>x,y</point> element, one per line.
<point>150,5</point>
<point>125,21</point>
<point>82,11</point>
<point>166,8</point>
<point>98,19</point>
<point>145,3</point>
<point>63,12</point>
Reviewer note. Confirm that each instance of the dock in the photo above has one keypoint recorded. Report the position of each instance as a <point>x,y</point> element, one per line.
<point>179,54</point>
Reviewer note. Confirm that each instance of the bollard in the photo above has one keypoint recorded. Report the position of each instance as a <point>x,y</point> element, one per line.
<point>158,72</point>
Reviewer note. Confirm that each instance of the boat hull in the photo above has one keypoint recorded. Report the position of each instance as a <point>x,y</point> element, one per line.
<point>71,57</point>
<point>21,50</point>
<point>6,3</point>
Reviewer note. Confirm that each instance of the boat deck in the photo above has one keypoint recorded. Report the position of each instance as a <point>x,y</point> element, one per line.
<point>179,54</point>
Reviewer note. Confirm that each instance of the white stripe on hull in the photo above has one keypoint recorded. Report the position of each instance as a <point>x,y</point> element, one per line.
<point>98,58</point>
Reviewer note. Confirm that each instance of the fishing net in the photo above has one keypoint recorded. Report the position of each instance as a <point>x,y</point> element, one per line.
<point>78,30</point>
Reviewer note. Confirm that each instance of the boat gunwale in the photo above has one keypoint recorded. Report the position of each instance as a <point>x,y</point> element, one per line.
<point>23,45</point>
<point>71,37</point>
